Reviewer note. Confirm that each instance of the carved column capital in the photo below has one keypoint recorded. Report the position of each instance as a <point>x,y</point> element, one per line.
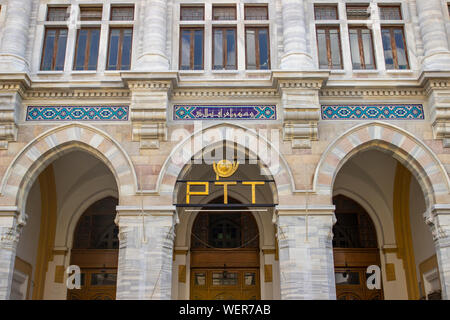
<point>149,103</point>
<point>301,110</point>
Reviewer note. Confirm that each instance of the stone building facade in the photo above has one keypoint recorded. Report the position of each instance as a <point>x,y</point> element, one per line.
<point>338,108</point>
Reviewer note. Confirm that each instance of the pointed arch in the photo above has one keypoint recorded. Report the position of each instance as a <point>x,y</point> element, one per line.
<point>402,145</point>
<point>229,133</point>
<point>54,143</point>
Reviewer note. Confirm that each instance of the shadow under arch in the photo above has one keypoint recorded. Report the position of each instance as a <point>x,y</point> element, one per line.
<point>230,133</point>
<point>53,144</point>
<point>400,144</point>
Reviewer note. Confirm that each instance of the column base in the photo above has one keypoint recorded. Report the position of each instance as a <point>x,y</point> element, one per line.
<point>12,63</point>
<point>439,61</point>
<point>153,62</point>
<point>296,61</point>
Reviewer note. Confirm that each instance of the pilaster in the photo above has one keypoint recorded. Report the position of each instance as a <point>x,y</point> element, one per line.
<point>301,108</point>
<point>10,229</point>
<point>145,253</point>
<point>439,221</point>
<point>154,40</point>
<point>11,92</point>
<point>149,104</point>
<point>434,35</point>
<point>306,252</point>
<point>296,54</point>
<point>15,36</point>
<point>437,88</point>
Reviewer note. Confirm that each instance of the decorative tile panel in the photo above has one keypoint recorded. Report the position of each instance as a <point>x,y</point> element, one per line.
<point>77,113</point>
<point>381,111</point>
<point>217,112</point>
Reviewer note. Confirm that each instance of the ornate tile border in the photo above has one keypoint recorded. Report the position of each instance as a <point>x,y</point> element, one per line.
<point>379,111</point>
<point>77,113</point>
<point>224,112</point>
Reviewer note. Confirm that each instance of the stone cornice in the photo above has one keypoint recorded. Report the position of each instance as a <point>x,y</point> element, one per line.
<point>14,83</point>
<point>217,93</point>
<point>149,84</point>
<point>90,94</point>
<point>375,92</point>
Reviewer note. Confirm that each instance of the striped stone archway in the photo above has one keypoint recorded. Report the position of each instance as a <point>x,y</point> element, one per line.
<point>47,147</point>
<point>403,146</point>
<point>184,152</point>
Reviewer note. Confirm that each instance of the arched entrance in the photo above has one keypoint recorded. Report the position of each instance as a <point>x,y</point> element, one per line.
<point>95,251</point>
<point>225,255</point>
<point>355,248</point>
<point>214,202</point>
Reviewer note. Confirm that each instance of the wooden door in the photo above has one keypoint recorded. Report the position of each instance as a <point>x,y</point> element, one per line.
<point>351,284</point>
<point>96,284</point>
<point>225,284</point>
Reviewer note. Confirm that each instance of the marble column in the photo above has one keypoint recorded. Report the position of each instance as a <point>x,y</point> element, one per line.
<point>439,221</point>
<point>145,254</point>
<point>9,237</point>
<point>154,40</point>
<point>306,253</point>
<point>16,36</point>
<point>296,54</point>
<point>434,35</point>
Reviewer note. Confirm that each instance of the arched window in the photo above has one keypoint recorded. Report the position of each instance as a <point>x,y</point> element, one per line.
<point>96,228</point>
<point>354,228</point>
<point>225,230</point>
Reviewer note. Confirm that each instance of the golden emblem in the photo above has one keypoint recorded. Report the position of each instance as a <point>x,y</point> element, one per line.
<point>225,168</point>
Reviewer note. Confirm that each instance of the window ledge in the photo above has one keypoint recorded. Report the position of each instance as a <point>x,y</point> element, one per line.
<point>41,72</point>
<point>366,71</point>
<point>258,71</point>
<point>75,72</point>
<point>225,71</point>
<point>114,72</point>
<point>408,71</point>
<point>334,71</point>
<point>191,72</point>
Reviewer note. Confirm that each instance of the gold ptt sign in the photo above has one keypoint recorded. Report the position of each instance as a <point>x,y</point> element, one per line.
<point>223,169</point>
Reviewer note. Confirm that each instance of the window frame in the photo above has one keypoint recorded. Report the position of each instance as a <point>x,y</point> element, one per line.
<point>114,6</point>
<point>191,62</point>
<point>320,5</point>
<point>398,6</point>
<point>361,47</point>
<point>49,8</point>
<point>91,8</point>
<point>55,48</point>
<point>394,46</point>
<point>224,46</point>
<point>257,57</point>
<point>265,6</point>
<point>328,43</point>
<point>120,48</point>
<point>190,7</point>
<point>88,42</point>
<point>217,6</point>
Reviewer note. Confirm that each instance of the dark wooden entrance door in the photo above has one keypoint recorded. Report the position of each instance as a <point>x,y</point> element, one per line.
<point>225,284</point>
<point>95,251</point>
<point>96,284</point>
<point>355,248</point>
<point>225,257</point>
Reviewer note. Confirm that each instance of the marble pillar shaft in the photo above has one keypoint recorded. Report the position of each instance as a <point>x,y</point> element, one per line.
<point>306,257</point>
<point>16,35</point>
<point>145,258</point>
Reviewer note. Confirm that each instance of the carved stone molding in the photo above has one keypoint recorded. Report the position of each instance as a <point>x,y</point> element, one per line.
<point>217,93</point>
<point>149,104</point>
<point>378,92</point>
<point>301,111</point>
<point>64,93</point>
<point>11,93</point>
<point>438,93</point>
